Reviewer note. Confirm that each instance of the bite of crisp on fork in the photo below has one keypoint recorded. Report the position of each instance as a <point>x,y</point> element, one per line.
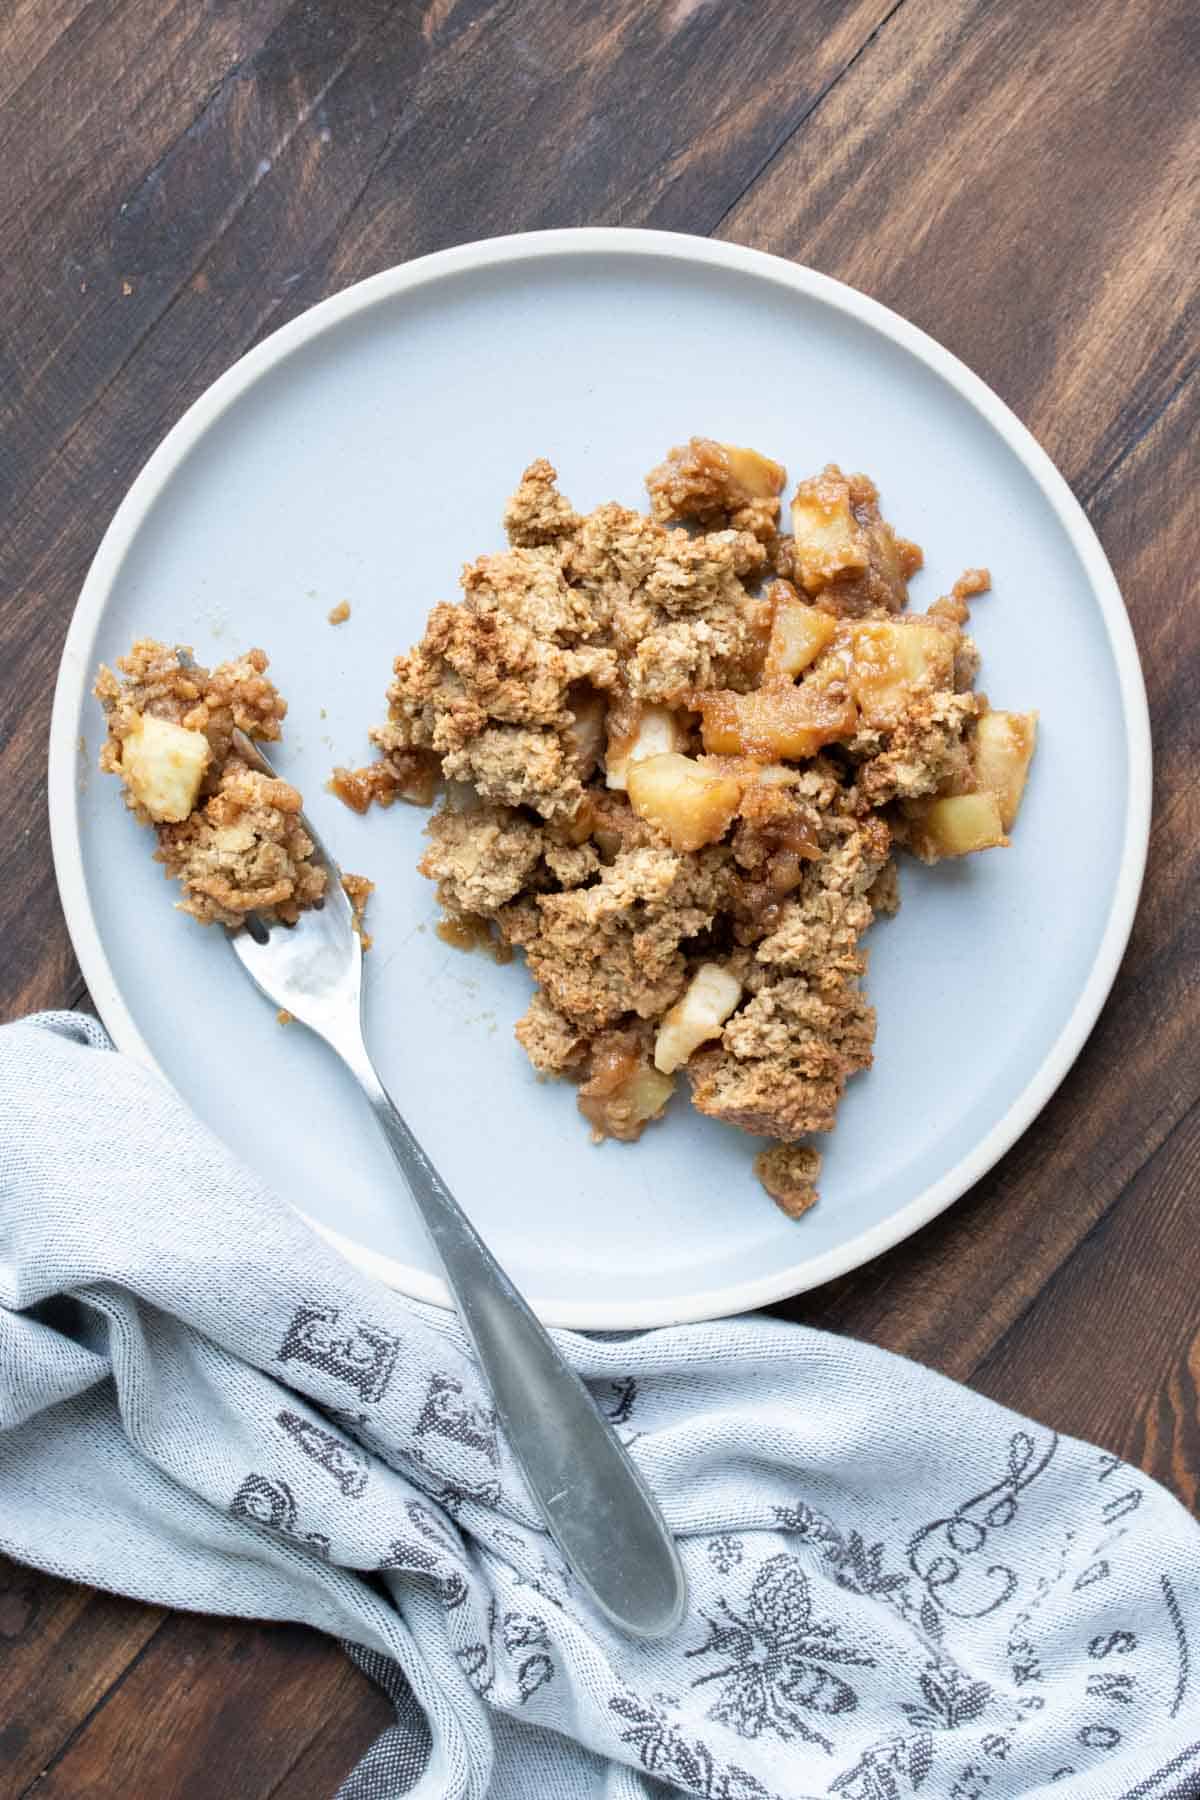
<point>231,833</point>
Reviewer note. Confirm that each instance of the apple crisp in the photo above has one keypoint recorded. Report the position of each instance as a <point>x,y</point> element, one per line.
<point>231,836</point>
<point>680,751</point>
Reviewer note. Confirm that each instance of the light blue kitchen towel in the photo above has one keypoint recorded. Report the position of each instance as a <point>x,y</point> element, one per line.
<point>897,1587</point>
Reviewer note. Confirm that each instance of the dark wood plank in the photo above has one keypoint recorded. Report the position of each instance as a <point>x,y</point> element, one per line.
<point>951,1293</point>
<point>1020,181</point>
<point>29,30</point>
<point>622,114</point>
<point>61,1649</point>
<point>347,1731</point>
<point>1109,1355</point>
<point>217,1708</point>
<point>199,118</point>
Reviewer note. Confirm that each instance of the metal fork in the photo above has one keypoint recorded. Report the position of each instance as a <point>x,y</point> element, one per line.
<point>595,1504</point>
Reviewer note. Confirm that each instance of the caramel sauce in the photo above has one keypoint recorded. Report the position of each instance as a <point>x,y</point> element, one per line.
<point>795,837</point>
<point>463,934</point>
<point>356,788</point>
<point>405,775</point>
<point>612,1065</point>
<point>472,934</point>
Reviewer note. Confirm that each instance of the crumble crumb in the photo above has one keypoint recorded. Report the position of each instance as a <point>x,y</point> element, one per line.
<point>842,550</point>
<point>789,1174</point>
<point>338,614</point>
<point>244,851</point>
<point>552,1042</point>
<point>359,890</point>
<point>716,485</point>
<point>537,513</point>
<point>784,1059</point>
<point>614,948</point>
<point>480,860</point>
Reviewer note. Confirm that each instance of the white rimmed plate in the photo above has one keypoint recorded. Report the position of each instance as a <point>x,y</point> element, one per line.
<point>363,453</point>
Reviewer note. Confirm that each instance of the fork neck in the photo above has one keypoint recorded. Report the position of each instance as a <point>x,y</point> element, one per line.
<point>345,1035</point>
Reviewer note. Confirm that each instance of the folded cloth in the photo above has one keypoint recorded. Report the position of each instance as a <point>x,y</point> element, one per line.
<point>897,1587</point>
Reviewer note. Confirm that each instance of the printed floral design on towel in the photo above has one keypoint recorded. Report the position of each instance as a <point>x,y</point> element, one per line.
<point>810,1525</point>
<point>951,1697</point>
<point>1175,1617</point>
<point>345,1462</point>
<point>1021,1644</point>
<point>940,1554</point>
<point>475,1658</point>
<point>262,1500</point>
<point>664,1750</point>
<point>889,1770</point>
<point>455,1440</point>
<point>1025,1665</point>
<point>431,1527</point>
<point>354,1351</point>
<point>624,1393</point>
<point>466,1422</point>
<point>266,1502</point>
<point>774,1674</point>
<point>1121,1505</point>
<point>1102,1694</point>
<point>724,1552</point>
<point>858,1567</point>
<point>549,1581</point>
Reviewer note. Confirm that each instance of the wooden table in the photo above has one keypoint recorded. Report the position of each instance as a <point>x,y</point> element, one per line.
<point>178,178</point>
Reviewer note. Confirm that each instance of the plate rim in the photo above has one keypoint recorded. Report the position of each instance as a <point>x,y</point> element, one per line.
<point>74,669</point>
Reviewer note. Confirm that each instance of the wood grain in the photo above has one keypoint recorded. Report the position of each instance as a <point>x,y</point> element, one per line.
<point>225,1712</point>
<point>1080,1378</point>
<point>31,30</point>
<point>61,1649</point>
<point>176,179</point>
<point>1009,178</point>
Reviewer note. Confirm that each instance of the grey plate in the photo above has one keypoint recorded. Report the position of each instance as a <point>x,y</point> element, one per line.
<point>364,452</point>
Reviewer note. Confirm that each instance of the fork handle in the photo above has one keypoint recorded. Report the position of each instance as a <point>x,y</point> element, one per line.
<point>596,1506</point>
